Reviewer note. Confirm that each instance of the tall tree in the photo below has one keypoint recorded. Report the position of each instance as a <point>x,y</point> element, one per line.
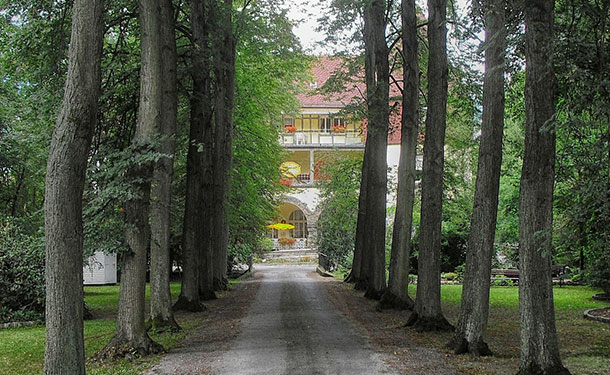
<point>377,77</point>
<point>197,256</point>
<point>397,294</point>
<point>223,42</point>
<point>130,333</point>
<point>65,348</point>
<point>539,345</point>
<point>472,323</point>
<point>161,315</point>
<point>427,314</point>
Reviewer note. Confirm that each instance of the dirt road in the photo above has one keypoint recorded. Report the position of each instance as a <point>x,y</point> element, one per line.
<point>290,328</point>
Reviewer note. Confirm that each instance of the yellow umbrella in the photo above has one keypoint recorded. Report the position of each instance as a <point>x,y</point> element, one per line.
<point>281,226</point>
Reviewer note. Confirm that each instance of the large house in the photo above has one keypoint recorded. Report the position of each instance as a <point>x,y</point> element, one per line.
<point>319,129</point>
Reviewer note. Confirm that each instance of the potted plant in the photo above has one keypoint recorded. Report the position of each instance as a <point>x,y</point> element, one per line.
<point>339,128</point>
<point>287,241</point>
<point>286,181</point>
<point>290,128</point>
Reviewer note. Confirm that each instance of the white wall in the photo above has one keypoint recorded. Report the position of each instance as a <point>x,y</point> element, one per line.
<point>101,269</point>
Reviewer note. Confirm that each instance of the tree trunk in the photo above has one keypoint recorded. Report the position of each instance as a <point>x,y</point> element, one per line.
<point>161,315</point>
<point>397,294</point>
<point>377,87</point>
<point>224,68</point>
<point>130,335</point>
<point>472,322</point>
<point>358,274</point>
<point>428,314</point>
<point>200,24</point>
<point>65,179</point>
<point>539,346</point>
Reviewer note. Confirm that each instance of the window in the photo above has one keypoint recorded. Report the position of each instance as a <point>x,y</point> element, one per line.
<point>339,121</point>
<point>288,121</point>
<point>325,125</point>
<point>297,218</point>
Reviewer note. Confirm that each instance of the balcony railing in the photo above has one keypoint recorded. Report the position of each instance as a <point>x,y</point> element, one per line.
<point>347,137</point>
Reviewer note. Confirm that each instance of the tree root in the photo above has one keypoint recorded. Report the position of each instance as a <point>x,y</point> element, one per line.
<point>185,304</point>
<point>349,278</point>
<point>371,293</point>
<point>207,296</point>
<point>159,324</point>
<point>428,324</point>
<point>535,369</point>
<point>460,345</point>
<point>390,300</point>
<point>129,349</point>
<point>360,285</point>
<point>221,284</point>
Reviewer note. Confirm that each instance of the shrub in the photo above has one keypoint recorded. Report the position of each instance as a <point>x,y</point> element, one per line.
<point>450,276</point>
<point>21,275</point>
<point>599,272</point>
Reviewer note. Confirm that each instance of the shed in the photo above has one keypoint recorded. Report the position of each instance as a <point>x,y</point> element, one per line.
<point>100,270</point>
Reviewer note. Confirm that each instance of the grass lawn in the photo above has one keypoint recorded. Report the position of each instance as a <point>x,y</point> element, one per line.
<point>584,344</point>
<point>22,349</point>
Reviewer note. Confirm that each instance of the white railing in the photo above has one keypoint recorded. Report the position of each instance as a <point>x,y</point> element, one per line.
<point>319,138</point>
<point>300,243</point>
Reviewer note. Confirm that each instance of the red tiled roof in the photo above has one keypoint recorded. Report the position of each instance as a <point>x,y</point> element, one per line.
<point>322,70</point>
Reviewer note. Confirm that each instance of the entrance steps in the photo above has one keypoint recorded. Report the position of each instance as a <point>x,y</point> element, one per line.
<point>293,255</point>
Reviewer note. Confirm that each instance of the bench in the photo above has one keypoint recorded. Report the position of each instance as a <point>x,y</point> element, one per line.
<point>558,271</point>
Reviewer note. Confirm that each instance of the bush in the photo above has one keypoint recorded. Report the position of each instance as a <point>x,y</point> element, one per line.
<point>22,289</point>
<point>599,272</point>
<point>339,202</point>
<point>450,276</point>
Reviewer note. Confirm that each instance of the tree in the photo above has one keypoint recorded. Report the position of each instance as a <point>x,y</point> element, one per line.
<point>65,349</point>
<point>130,334</point>
<point>377,78</point>
<point>397,294</point>
<point>161,315</point>
<point>427,314</point>
<point>539,346</point>
<point>472,322</point>
<point>224,44</point>
<point>197,256</point>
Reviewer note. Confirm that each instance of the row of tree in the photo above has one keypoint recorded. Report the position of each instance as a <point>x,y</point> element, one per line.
<point>119,138</point>
<point>539,346</point>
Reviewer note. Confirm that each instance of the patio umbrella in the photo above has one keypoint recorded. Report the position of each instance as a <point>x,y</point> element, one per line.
<point>281,226</point>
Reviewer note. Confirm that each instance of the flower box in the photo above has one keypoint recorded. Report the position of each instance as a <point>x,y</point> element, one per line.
<point>287,241</point>
<point>286,181</point>
<point>290,129</point>
<point>339,128</point>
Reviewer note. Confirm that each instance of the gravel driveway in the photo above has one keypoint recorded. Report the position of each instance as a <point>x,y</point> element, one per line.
<point>290,328</point>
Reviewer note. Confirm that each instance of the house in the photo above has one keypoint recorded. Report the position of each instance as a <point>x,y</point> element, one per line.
<point>319,129</point>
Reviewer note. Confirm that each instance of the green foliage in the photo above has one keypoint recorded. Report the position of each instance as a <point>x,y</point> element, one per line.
<point>269,63</point>
<point>339,202</point>
<point>22,290</point>
<point>582,205</point>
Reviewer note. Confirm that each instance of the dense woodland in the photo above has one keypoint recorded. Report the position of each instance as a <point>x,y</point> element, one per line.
<point>150,129</point>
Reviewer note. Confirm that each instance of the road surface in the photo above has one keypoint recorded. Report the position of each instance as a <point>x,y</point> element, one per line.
<point>290,328</point>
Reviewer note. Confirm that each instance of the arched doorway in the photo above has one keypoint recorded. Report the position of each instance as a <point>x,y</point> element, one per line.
<point>297,238</point>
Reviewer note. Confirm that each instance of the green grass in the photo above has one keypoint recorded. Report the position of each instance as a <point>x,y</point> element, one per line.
<point>22,349</point>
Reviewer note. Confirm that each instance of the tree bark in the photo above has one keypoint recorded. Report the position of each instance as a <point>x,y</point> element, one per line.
<point>161,315</point>
<point>358,274</point>
<point>377,86</point>
<point>397,294</point>
<point>130,334</point>
<point>428,314</point>
<point>539,346</point>
<point>200,24</point>
<point>224,69</point>
<point>472,322</point>
<point>65,179</point>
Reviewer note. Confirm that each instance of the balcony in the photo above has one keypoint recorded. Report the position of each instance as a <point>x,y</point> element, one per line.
<point>315,138</point>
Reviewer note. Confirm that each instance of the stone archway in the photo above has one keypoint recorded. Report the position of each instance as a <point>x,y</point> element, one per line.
<point>310,215</point>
